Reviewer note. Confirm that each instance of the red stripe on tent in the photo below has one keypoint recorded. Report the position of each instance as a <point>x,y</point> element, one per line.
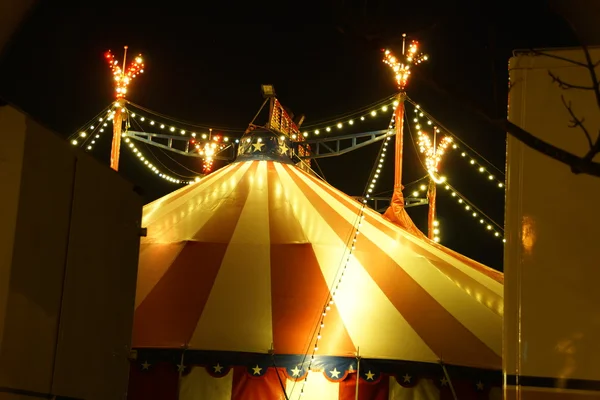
<point>366,390</point>
<point>298,288</point>
<point>159,382</point>
<point>155,259</point>
<point>355,205</point>
<point>283,225</point>
<point>169,314</point>
<point>427,317</point>
<point>266,387</point>
<point>219,228</point>
<point>299,293</point>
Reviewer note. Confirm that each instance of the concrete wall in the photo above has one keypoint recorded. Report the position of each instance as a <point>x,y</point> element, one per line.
<point>69,240</point>
<point>552,258</point>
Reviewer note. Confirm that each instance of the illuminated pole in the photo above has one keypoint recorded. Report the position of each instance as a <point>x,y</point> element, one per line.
<point>401,69</point>
<point>399,142</point>
<point>434,153</point>
<point>123,78</point>
<point>431,197</point>
<point>115,149</point>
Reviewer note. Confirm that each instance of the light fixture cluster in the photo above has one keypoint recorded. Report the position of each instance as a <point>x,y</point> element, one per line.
<point>123,77</point>
<point>401,68</point>
<point>434,152</point>
<point>152,167</point>
<point>335,126</point>
<point>209,149</point>
<point>472,210</point>
<point>333,292</point>
<point>419,114</point>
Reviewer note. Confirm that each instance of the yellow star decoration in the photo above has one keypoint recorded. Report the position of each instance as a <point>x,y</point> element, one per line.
<point>283,148</point>
<point>258,146</point>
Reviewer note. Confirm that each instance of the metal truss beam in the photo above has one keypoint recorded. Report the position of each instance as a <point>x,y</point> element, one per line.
<point>380,204</point>
<point>147,137</point>
<point>337,145</point>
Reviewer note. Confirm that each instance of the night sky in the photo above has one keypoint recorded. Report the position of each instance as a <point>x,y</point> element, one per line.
<point>205,65</point>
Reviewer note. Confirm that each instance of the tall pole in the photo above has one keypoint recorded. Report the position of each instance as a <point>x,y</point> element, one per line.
<point>116,140</point>
<point>122,78</point>
<point>399,142</point>
<point>431,198</point>
<point>115,150</point>
<point>396,212</point>
<point>431,195</point>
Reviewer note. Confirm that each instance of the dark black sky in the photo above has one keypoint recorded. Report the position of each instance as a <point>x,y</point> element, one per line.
<point>206,64</point>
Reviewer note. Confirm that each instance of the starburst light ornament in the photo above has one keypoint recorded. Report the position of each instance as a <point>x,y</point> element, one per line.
<point>434,154</point>
<point>123,78</point>
<point>401,66</point>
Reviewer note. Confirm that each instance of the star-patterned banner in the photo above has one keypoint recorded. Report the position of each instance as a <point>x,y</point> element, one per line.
<point>262,144</point>
<point>334,369</point>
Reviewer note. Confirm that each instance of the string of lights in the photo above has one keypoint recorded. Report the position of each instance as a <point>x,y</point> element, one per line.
<point>488,223</point>
<point>162,126</point>
<point>337,125</point>
<point>375,174</point>
<point>333,292</point>
<point>159,116</point>
<point>142,159</point>
<point>352,114</point>
<point>95,126</point>
<point>165,153</point>
<point>206,144</point>
<point>482,170</point>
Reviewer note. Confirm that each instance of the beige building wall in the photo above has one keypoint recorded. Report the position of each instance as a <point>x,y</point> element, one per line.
<point>552,253</point>
<point>69,240</point>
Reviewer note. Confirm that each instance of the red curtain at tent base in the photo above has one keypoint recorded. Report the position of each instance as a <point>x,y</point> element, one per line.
<point>161,382</point>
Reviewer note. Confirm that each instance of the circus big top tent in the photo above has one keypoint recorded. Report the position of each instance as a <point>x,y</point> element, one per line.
<point>247,290</point>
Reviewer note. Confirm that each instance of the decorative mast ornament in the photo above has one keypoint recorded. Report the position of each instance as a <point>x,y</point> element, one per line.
<point>434,154</point>
<point>401,67</point>
<point>122,78</point>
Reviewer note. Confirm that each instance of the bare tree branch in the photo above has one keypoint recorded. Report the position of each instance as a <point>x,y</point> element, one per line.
<point>578,165</point>
<point>557,57</point>
<point>592,71</point>
<point>576,122</point>
<point>595,149</point>
<point>566,86</point>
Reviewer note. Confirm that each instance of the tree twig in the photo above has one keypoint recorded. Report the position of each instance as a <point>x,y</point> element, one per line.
<point>576,122</point>
<point>578,165</point>
<point>556,57</point>
<point>595,149</point>
<point>565,85</point>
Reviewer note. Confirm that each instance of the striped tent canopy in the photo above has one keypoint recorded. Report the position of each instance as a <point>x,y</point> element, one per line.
<point>236,271</point>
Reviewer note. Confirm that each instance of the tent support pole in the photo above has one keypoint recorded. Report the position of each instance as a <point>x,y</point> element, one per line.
<point>449,380</point>
<point>357,372</point>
